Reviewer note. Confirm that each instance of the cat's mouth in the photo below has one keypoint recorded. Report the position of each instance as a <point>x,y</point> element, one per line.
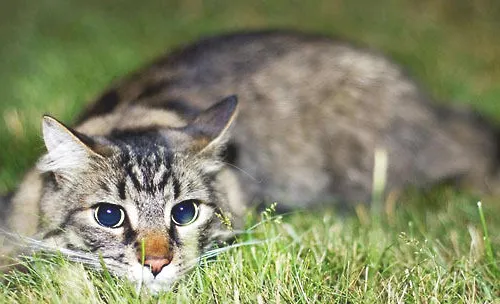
<point>143,277</point>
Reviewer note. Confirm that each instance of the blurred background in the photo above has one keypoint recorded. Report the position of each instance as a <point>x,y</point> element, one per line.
<point>56,55</point>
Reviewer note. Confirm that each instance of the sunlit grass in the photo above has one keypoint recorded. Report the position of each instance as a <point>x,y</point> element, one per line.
<point>319,258</point>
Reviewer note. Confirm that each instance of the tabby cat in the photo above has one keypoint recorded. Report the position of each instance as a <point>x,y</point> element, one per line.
<point>217,126</point>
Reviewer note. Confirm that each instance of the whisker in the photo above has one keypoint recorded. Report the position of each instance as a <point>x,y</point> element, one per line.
<point>217,251</point>
<point>31,246</point>
<point>222,236</point>
<point>259,181</point>
<point>7,266</point>
<point>201,260</point>
<point>243,232</point>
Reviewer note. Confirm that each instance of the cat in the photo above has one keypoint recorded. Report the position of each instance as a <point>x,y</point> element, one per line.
<point>217,126</point>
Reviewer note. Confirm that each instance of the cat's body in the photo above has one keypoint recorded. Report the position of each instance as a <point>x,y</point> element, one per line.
<point>312,112</point>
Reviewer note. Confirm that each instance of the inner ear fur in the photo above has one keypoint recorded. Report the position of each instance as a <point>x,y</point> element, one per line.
<point>67,150</point>
<point>91,145</point>
<point>210,129</point>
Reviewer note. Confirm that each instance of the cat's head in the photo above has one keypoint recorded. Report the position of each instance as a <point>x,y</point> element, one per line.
<point>148,202</point>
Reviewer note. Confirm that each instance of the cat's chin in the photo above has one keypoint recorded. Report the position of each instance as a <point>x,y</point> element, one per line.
<point>143,278</point>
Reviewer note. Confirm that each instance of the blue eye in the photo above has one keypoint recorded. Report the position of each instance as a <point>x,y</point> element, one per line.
<point>109,215</point>
<point>185,213</point>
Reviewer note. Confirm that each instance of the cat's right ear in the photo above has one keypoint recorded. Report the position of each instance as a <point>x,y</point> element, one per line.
<point>67,150</point>
<point>210,129</point>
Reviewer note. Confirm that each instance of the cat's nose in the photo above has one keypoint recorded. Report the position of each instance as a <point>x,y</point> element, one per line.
<point>155,249</point>
<point>156,264</point>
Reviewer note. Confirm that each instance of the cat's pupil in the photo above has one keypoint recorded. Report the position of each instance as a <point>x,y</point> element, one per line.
<point>185,212</point>
<point>109,215</point>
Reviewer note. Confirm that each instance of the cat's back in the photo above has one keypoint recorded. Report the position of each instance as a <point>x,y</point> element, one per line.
<point>313,110</point>
<point>282,63</point>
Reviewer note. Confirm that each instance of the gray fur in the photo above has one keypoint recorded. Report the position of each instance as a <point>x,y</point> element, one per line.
<point>4,209</point>
<point>312,112</point>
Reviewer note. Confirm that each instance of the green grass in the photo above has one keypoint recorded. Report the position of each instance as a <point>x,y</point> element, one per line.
<point>414,257</point>
<point>424,248</point>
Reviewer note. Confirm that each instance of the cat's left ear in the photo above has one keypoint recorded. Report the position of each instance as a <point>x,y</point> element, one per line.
<point>67,150</point>
<point>210,129</point>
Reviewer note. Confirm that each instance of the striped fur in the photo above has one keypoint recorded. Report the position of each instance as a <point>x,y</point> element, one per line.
<point>312,111</point>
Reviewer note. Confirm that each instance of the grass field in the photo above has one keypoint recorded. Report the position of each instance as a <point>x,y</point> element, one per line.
<point>424,247</point>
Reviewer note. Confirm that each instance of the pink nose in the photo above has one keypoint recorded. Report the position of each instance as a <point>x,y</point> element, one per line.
<point>156,264</point>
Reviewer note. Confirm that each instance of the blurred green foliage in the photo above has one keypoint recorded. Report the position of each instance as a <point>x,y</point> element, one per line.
<point>59,54</point>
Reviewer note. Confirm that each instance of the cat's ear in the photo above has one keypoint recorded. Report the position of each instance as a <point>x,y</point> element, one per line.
<point>210,129</point>
<point>67,150</point>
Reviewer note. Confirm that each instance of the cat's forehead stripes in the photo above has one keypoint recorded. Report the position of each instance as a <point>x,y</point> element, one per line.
<point>150,171</point>
<point>177,187</point>
<point>121,185</point>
